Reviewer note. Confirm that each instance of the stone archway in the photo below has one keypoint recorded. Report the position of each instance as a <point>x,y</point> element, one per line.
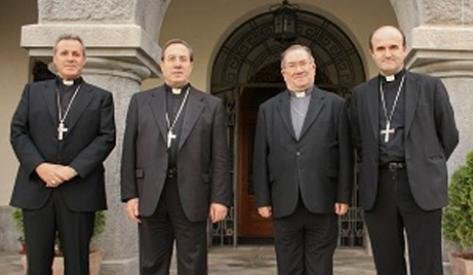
<point>253,45</point>
<point>246,71</point>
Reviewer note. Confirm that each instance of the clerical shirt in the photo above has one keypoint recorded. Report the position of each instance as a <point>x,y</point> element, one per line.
<point>393,150</point>
<point>299,107</point>
<point>173,102</point>
<point>65,92</point>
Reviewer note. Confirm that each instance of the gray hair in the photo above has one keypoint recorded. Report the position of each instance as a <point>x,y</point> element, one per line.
<point>296,47</point>
<point>72,37</point>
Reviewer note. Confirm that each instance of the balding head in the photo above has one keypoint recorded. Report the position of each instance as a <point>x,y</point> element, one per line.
<point>387,29</point>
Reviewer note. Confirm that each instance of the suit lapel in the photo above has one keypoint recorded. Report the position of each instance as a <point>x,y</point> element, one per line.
<point>285,112</point>
<point>194,107</point>
<point>83,98</point>
<point>157,105</point>
<point>373,105</point>
<point>49,95</point>
<point>411,98</point>
<point>317,102</point>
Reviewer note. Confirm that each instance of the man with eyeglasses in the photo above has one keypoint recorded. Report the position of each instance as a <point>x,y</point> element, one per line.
<point>175,167</point>
<point>302,170</point>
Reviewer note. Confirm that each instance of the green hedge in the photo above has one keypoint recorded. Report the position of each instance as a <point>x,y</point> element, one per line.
<point>458,215</point>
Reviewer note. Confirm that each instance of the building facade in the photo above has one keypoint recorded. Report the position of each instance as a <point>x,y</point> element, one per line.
<point>237,58</point>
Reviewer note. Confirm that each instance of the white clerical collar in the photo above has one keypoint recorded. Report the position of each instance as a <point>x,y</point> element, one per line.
<point>68,82</point>
<point>393,77</point>
<point>390,78</point>
<point>176,90</point>
<point>300,94</point>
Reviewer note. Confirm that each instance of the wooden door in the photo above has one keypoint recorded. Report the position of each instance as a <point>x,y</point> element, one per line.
<point>250,225</point>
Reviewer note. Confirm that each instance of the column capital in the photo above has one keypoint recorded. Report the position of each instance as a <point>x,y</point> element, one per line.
<point>444,51</point>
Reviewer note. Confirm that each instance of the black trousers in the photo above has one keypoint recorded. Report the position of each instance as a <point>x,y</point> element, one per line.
<point>395,211</point>
<point>158,232</point>
<point>74,229</point>
<point>305,242</point>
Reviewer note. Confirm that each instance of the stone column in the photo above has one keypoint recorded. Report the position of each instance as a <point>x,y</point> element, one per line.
<point>447,52</point>
<point>119,241</point>
<point>121,51</point>
<point>440,38</point>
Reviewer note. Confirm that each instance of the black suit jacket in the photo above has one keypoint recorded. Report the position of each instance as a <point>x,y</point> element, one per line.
<point>89,140</point>
<point>202,160</point>
<point>318,166</point>
<point>430,136</point>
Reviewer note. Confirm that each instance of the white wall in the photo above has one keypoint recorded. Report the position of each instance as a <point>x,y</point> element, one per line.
<point>13,76</point>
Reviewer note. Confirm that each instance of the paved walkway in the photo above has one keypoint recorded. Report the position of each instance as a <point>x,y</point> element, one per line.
<point>261,260</point>
<point>244,260</point>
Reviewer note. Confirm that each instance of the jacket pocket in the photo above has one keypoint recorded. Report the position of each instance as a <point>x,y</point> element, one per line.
<point>139,173</point>
<point>205,178</point>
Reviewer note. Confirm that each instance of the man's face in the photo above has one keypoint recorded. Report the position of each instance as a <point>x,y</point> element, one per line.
<point>69,59</point>
<point>298,70</point>
<point>388,51</point>
<point>176,65</point>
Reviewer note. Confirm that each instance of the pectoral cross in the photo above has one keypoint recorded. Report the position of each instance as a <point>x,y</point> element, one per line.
<point>61,129</point>
<point>386,132</point>
<point>171,136</point>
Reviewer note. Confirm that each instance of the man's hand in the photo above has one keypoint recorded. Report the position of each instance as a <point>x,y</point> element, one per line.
<point>66,172</point>
<point>341,208</point>
<point>48,172</point>
<point>132,210</point>
<point>217,212</point>
<point>54,174</point>
<point>265,211</point>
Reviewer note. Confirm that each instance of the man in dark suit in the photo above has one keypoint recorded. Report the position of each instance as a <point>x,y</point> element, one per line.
<point>175,167</point>
<point>404,130</point>
<point>303,167</point>
<point>61,132</point>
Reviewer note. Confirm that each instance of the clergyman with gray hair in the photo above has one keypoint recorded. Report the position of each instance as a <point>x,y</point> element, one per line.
<point>61,132</point>
<point>302,170</point>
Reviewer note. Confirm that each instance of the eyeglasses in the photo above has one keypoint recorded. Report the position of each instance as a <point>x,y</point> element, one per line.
<point>292,66</point>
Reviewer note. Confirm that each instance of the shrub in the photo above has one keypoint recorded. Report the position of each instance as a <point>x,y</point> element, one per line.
<point>458,215</point>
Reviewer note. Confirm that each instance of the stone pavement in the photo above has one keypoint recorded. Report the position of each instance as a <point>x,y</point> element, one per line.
<point>243,260</point>
<point>261,260</point>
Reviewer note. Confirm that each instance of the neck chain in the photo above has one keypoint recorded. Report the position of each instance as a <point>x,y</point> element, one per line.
<point>386,132</point>
<point>61,129</point>
<point>171,135</point>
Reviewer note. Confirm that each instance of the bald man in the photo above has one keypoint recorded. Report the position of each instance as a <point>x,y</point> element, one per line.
<point>404,132</point>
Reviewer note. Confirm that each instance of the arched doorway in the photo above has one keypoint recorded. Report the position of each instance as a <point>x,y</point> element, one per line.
<point>246,72</point>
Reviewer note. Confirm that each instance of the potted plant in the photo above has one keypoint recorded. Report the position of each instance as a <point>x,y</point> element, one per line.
<point>95,254</point>
<point>458,218</point>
